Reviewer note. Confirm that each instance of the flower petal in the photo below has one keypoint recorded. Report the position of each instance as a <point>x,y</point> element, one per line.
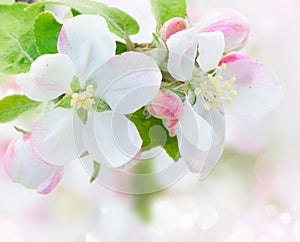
<point>211,48</point>
<point>88,42</point>
<point>194,129</point>
<point>172,26</point>
<point>182,53</point>
<point>258,88</point>
<point>216,119</point>
<point>25,167</point>
<point>112,139</point>
<point>233,25</point>
<point>57,137</point>
<point>49,77</point>
<point>128,81</point>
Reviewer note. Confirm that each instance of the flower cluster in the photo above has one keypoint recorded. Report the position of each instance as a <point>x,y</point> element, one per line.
<point>186,79</point>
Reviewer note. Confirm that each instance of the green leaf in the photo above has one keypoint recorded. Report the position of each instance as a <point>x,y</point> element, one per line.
<point>17,42</point>
<point>154,134</point>
<point>13,106</point>
<point>46,31</point>
<point>95,174</point>
<point>164,10</point>
<point>118,21</point>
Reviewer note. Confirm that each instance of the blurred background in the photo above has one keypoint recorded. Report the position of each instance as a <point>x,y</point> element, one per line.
<point>253,194</point>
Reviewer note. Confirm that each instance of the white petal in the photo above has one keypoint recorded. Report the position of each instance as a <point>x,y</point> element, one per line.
<point>211,48</point>
<point>112,139</point>
<point>128,82</point>
<point>49,77</point>
<point>258,88</point>
<point>182,53</point>
<point>88,42</point>
<point>57,137</point>
<point>25,167</point>
<point>194,128</point>
<point>216,119</point>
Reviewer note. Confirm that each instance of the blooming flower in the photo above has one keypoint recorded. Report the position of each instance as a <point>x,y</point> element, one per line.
<point>24,166</point>
<point>235,84</point>
<point>87,58</point>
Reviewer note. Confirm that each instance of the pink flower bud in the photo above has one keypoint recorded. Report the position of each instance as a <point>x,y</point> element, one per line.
<point>25,167</point>
<point>168,107</point>
<point>234,27</point>
<point>172,26</point>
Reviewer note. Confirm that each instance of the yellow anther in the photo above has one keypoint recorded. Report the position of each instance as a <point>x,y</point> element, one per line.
<point>84,99</point>
<point>206,106</point>
<point>198,91</point>
<point>232,80</point>
<point>227,85</point>
<point>233,93</point>
<point>224,66</point>
<point>229,100</point>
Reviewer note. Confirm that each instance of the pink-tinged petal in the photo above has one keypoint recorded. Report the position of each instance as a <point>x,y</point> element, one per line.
<point>25,167</point>
<point>216,120</point>
<point>168,107</point>
<point>49,77</point>
<point>182,53</point>
<point>258,89</point>
<point>88,42</point>
<point>128,82</point>
<point>165,104</point>
<point>172,26</point>
<point>111,139</point>
<point>234,57</point>
<point>56,138</point>
<point>234,27</point>
<point>211,48</point>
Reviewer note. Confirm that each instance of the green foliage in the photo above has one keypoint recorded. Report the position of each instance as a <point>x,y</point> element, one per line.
<point>164,10</point>
<point>46,31</point>
<point>17,42</point>
<point>119,22</point>
<point>154,134</point>
<point>13,106</point>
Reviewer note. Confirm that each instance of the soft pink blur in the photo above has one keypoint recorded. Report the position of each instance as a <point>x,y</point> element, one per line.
<point>251,196</point>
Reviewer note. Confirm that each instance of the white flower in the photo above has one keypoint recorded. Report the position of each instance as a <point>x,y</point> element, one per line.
<point>125,82</point>
<point>235,84</point>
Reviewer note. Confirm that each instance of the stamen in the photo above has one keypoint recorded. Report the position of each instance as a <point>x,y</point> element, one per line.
<point>213,89</point>
<point>84,99</point>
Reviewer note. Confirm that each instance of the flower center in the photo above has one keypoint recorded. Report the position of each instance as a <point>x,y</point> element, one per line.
<point>84,100</point>
<point>213,89</point>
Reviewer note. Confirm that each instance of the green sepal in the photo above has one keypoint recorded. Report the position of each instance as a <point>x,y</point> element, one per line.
<point>100,105</point>
<point>65,102</point>
<point>83,115</point>
<point>96,171</point>
<point>75,85</point>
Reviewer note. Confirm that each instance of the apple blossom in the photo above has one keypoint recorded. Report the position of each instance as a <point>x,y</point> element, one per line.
<point>86,59</point>
<point>24,166</point>
<point>235,84</point>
